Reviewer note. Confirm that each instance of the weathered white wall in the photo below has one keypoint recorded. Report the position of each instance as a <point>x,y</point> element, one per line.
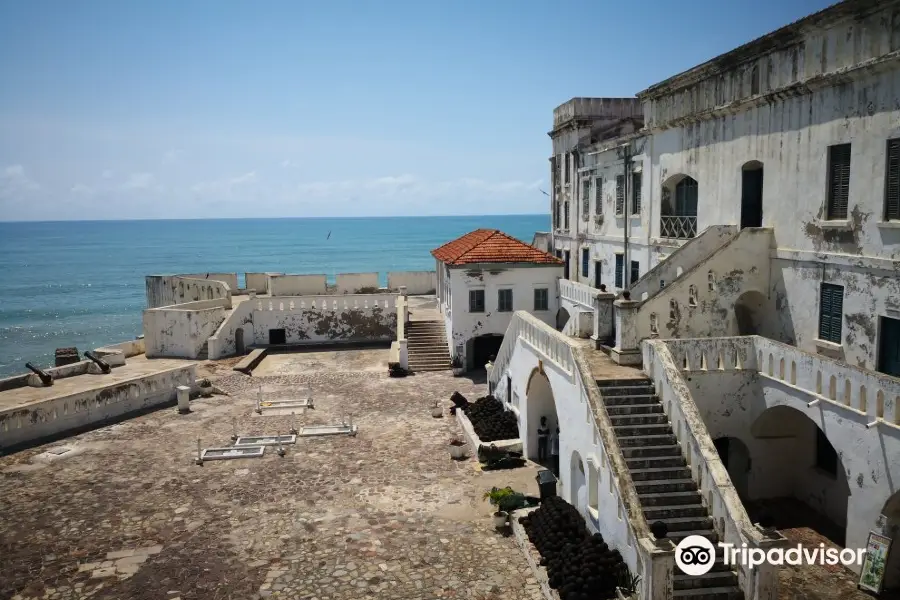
<point>178,333</point>
<point>522,279</point>
<point>229,279</point>
<point>258,281</point>
<point>56,415</point>
<point>351,283</point>
<point>416,282</point>
<point>297,285</point>
<point>326,319</point>
<point>733,403</point>
<point>224,342</point>
<point>128,348</point>
<point>168,290</point>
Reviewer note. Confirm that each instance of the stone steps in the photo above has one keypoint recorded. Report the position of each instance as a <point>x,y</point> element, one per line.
<point>427,346</point>
<point>663,481</point>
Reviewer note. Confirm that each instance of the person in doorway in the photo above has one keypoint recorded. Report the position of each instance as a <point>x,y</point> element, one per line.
<point>554,452</point>
<point>543,433</point>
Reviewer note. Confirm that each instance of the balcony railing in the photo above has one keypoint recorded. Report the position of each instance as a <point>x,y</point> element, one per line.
<point>679,228</point>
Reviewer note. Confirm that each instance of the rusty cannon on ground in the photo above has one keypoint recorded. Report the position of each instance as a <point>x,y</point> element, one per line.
<point>493,458</point>
<point>45,378</point>
<point>98,361</point>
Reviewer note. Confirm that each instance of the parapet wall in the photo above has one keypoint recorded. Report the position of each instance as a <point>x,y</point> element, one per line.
<point>168,290</point>
<point>181,331</point>
<point>34,422</point>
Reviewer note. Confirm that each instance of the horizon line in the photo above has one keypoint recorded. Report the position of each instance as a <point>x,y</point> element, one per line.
<point>4,222</point>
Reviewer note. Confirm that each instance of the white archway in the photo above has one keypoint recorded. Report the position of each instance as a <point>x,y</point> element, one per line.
<point>578,496</point>
<point>539,402</point>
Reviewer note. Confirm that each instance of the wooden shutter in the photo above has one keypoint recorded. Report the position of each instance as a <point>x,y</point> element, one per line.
<point>620,266</point>
<point>598,196</point>
<point>831,312</point>
<point>892,185</point>
<point>636,192</point>
<point>839,181</point>
<point>620,194</point>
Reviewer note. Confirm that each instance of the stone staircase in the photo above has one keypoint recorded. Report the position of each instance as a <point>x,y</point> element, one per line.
<point>663,481</point>
<point>427,346</point>
<point>204,351</point>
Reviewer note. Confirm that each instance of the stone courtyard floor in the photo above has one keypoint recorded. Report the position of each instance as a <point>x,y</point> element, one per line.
<point>125,513</point>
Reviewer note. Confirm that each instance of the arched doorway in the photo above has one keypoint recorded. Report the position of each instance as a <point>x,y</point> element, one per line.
<point>482,349</point>
<point>678,214</point>
<point>752,194</point>
<point>736,457</point>
<point>239,341</point>
<point>891,511</point>
<point>750,313</point>
<point>539,403</point>
<point>562,317</point>
<point>577,484</point>
<point>805,482</point>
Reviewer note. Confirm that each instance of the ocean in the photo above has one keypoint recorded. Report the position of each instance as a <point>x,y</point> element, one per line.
<point>81,283</point>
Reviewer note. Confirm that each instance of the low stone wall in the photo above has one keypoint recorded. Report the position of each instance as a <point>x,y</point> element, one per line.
<point>297,285</point>
<point>353,283</point>
<point>531,554</point>
<point>176,332</point>
<point>416,282</point>
<point>473,440</point>
<point>21,425</point>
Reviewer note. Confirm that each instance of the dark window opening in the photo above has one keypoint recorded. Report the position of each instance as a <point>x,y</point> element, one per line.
<point>620,268</point>
<point>504,300</point>
<point>566,215</point>
<point>277,336</point>
<point>754,80</point>
<point>635,272</point>
<point>598,196</point>
<point>476,300</point>
<point>585,262</point>
<point>597,280</point>
<point>892,184</point>
<point>826,455</point>
<point>541,299</point>
<point>838,181</point>
<point>635,193</point>
<point>831,312</point>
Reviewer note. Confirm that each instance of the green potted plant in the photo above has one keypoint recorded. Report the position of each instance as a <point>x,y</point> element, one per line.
<point>506,500</point>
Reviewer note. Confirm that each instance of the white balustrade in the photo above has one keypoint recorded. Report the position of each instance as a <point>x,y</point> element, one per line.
<point>577,293</point>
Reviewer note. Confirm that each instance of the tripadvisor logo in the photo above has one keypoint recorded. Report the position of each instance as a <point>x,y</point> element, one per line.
<point>695,555</point>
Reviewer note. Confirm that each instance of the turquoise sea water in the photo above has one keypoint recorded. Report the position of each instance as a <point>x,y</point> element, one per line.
<point>82,283</point>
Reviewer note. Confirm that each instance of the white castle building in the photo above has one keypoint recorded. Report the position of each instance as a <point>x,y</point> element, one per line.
<point>744,217</point>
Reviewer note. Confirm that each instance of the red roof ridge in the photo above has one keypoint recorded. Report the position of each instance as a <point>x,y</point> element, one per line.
<point>491,246</point>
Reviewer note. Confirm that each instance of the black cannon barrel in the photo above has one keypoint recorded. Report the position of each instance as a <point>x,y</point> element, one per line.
<point>45,378</point>
<point>100,363</point>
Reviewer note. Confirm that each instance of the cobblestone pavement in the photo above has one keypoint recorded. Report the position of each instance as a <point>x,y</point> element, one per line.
<point>126,514</point>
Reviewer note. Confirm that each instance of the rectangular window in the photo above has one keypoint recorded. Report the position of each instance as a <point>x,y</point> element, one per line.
<point>598,196</point>
<point>566,215</point>
<point>635,193</point>
<point>585,262</point>
<point>586,197</point>
<point>541,299</point>
<point>635,272</point>
<point>476,301</point>
<point>504,300</point>
<point>892,183</point>
<point>567,167</point>
<point>831,312</point>
<point>597,280</point>
<point>838,181</point>
<point>620,194</point>
<point>620,268</point>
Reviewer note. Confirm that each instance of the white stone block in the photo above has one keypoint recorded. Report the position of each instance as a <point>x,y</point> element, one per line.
<point>184,398</point>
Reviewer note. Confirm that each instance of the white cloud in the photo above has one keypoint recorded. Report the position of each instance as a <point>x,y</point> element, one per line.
<point>15,182</point>
<point>224,186</point>
<point>139,181</point>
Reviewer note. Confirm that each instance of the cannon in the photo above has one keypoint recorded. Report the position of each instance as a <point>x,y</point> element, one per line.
<point>45,378</point>
<point>97,361</point>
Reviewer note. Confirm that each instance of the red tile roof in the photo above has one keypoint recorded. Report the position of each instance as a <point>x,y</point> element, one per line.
<point>491,246</point>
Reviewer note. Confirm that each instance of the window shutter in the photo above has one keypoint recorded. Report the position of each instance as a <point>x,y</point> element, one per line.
<point>598,196</point>
<point>839,186</point>
<point>620,266</point>
<point>831,312</point>
<point>636,187</point>
<point>892,186</point>
<point>825,314</point>
<point>620,194</point>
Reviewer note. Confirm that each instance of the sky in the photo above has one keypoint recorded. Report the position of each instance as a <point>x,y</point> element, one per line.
<point>113,109</point>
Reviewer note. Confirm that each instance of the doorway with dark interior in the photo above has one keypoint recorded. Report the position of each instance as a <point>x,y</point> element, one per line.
<point>483,349</point>
<point>752,194</point>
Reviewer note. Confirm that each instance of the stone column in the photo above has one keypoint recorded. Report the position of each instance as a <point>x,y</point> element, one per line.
<point>603,317</point>
<point>627,350</point>
<point>183,393</point>
<point>659,568</point>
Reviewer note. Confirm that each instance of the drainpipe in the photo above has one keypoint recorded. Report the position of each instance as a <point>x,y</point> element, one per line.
<point>626,268</point>
<point>650,180</point>
<point>576,186</point>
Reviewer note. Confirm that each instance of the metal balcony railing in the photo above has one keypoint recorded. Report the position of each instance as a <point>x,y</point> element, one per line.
<point>679,228</point>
